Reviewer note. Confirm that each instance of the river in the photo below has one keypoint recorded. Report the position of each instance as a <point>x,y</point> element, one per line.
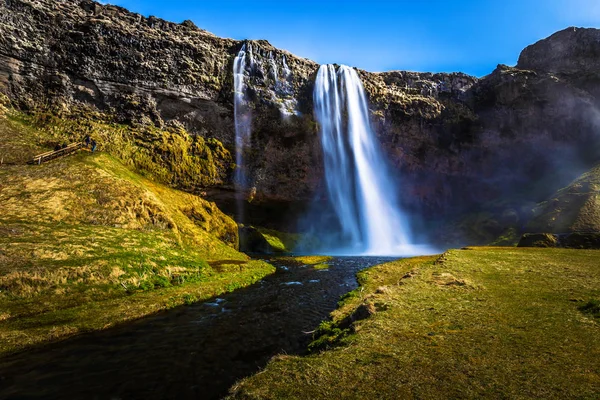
<point>191,352</point>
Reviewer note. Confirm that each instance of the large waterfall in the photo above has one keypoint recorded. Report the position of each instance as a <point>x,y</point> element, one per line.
<point>358,181</point>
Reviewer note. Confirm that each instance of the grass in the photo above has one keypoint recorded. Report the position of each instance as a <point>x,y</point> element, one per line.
<point>308,260</point>
<point>283,242</point>
<point>86,243</point>
<point>475,323</point>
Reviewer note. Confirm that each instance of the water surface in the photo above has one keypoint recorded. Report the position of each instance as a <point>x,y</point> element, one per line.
<point>193,352</point>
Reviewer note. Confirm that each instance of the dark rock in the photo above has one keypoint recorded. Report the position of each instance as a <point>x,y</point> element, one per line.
<point>538,240</point>
<point>581,240</point>
<point>570,51</point>
<point>363,311</point>
<point>252,241</point>
<point>574,240</point>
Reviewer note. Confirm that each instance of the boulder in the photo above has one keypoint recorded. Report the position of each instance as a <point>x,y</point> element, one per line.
<point>538,240</point>
<point>252,241</point>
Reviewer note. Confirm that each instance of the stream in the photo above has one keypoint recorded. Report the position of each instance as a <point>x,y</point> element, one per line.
<point>191,352</point>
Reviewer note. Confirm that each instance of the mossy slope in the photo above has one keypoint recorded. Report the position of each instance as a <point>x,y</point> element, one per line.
<point>170,155</point>
<point>476,323</point>
<point>576,208</point>
<point>86,243</point>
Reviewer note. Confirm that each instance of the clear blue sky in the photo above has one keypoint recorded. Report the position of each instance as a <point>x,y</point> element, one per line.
<point>438,36</point>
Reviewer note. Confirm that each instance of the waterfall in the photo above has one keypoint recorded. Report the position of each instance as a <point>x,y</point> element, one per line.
<point>242,120</point>
<point>274,68</point>
<point>359,184</point>
<point>286,70</point>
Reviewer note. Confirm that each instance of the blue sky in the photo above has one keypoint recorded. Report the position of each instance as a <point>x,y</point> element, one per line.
<point>438,36</point>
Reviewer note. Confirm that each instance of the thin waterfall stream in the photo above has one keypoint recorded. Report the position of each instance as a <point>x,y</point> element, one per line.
<point>243,122</point>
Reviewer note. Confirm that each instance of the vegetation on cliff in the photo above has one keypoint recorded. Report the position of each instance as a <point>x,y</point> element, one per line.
<point>474,323</point>
<point>171,155</point>
<point>575,208</point>
<point>86,243</point>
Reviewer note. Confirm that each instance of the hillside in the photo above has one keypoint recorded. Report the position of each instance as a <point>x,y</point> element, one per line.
<point>87,243</point>
<point>575,208</point>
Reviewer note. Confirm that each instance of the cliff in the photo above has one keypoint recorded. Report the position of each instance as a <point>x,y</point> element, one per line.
<point>458,144</point>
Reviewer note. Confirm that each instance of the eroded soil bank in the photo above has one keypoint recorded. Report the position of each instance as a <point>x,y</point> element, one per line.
<point>194,352</point>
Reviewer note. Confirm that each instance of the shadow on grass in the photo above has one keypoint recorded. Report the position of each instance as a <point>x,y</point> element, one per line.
<point>196,351</point>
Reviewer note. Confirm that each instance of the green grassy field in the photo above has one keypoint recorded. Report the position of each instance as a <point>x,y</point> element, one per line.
<point>87,243</point>
<point>475,323</point>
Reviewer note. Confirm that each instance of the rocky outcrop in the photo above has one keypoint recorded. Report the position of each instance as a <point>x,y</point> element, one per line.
<point>252,241</point>
<point>72,54</point>
<point>538,240</point>
<point>575,208</point>
<point>573,51</point>
<point>457,144</point>
<point>575,240</point>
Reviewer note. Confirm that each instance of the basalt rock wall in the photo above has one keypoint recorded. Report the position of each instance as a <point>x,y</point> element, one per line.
<point>454,142</point>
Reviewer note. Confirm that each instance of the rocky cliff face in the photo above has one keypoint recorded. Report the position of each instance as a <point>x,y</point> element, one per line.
<point>454,140</point>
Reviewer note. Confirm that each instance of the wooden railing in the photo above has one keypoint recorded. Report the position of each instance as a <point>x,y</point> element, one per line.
<point>51,155</point>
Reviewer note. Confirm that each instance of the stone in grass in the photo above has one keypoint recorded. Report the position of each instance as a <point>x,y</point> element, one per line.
<point>363,311</point>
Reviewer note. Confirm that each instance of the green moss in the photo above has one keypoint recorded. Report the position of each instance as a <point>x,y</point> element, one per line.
<point>171,155</point>
<point>571,209</point>
<point>283,242</point>
<point>321,266</point>
<point>308,260</point>
<point>328,335</point>
<point>510,237</point>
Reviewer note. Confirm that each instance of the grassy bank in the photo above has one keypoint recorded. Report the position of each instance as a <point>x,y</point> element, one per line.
<point>477,323</point>
<point>87,243</point>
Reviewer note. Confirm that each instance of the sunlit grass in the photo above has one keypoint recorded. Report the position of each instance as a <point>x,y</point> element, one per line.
<point>86,243</point>
<point>308,260</point>
<point>477,323</point>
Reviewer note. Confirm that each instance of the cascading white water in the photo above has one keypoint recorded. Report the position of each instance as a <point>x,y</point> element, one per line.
<point>286,70</point>
<point>358,181</point>
<point>274,68</point>
<point>243,121</point>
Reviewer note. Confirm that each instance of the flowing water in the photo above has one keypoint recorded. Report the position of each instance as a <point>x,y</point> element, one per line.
<point>359,184</point>
<point>274,68</point>
<point>243,119</point>
<point>286,69</point>
<point>193,352</point>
